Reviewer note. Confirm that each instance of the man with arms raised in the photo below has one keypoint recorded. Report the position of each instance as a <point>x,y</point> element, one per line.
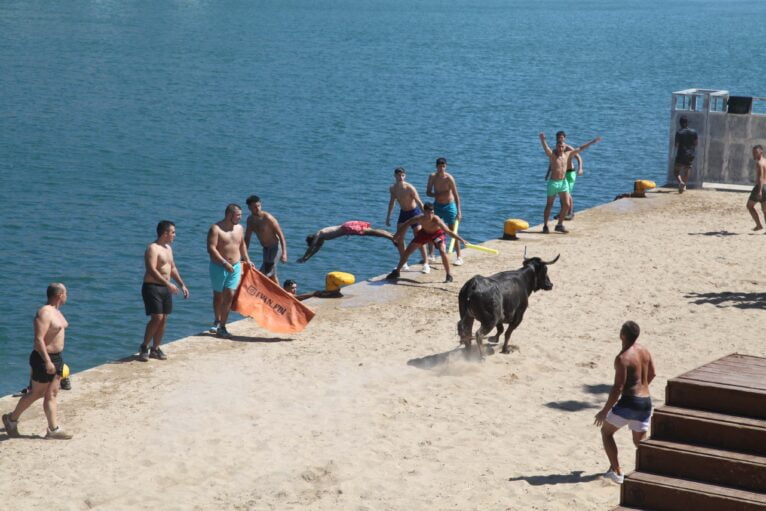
<point>432,230</point>
<point>758,194</point>
<point>634,371</point>
<point>572,172</point>
<point>157,289</point>
<point>410,206</point>
<point>226,247</point>
<point>560,161</point>
<point>270,235</point>
<point>46,363</point>
<point>442,187</point>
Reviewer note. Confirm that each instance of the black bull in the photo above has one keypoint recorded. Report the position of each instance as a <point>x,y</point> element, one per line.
<point>501,298</point>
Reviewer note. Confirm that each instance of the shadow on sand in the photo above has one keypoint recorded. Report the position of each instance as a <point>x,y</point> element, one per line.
<point>730,299</point>
<point>572,478</point>
<point>599,388</point>
<point>719,234</point>
<point>570,406</point>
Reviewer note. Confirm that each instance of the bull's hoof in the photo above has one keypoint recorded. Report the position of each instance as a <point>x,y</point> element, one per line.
<point>509,349</point>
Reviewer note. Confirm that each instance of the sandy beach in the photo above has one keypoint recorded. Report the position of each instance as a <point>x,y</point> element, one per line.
<point>374,406</point>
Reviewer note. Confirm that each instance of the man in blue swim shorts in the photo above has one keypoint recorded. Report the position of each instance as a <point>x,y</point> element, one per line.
<point>560,159</point>
<point>226,247</point>
<point>442,187</point>
<point>270,235</point>
<point>629,403</point>
<point>410,206</point>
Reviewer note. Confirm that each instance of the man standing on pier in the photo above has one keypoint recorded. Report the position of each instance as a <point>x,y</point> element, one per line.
<point>410,206</point>
<point>270,235</point>
<point>47,365</point>
<point>571,175</point>
<point>685,144</point>
<point>758,194</point>
<point>442,187</point>
<point>226,247</point>
<point>158,290</point>
<point>633,372</point>
<point>560,161</point>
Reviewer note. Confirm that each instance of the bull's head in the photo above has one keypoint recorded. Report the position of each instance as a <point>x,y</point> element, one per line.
<point>541,271</point>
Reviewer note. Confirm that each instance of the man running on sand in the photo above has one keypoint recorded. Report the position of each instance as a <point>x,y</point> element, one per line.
<point>571,174</point>
<point>46,363</point>
<point>350,228</point>
<point>269,233</point>
<point>226,247</point>
<point>685,144</point>
<point>410,206</point>
<point>432,230</point>
<point>758,194</point>
<point>633,372</point>
<point>157,289</point>
<point>560,161</point>
<point>442,187</point>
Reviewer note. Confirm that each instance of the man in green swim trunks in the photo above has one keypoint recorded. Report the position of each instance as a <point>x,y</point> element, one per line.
<point>560,161</point>
<point>759,190</point>
<point>571,175</point>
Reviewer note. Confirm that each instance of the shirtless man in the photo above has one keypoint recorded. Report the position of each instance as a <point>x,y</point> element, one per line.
<point>560,161</point>
<point>46,363</point>
<point>571,174</point>
<point>350,228</point>
<point>758,194</point>
<point>292,287</point>
<point>633,372</point>
<point>432,230</point>
<point>442,187</point>
<point>157,289</point>
<point>410,206</point>
<point>226,247</point>
<point>269,233</point>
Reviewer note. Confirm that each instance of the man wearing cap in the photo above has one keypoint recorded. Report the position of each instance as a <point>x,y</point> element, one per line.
<point>685,144</point>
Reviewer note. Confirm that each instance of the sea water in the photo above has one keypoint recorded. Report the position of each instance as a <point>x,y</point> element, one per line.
<point>115,115</point>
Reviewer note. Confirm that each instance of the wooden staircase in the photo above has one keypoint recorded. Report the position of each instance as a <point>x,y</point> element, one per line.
<point>707,450</point>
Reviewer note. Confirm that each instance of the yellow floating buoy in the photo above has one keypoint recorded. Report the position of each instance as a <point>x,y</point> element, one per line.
<point>512,226</point>
<point>65,371</point>
<point>337,279</point>
<point>641,185</point>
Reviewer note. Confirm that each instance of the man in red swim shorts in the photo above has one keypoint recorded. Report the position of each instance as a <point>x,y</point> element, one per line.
<point>350,228</point>
<point>433,230</point>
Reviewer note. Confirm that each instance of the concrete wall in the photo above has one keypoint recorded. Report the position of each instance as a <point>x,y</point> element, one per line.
<point>724,153</point>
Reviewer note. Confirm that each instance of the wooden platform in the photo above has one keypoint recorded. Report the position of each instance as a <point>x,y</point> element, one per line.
<point>707,449</point>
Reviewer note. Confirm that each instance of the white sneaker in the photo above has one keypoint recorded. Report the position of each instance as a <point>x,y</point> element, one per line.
<point>58,434</point>
<point>406,267</point>
<point>614,477</point>
<point>458,261</point>
<point>426,269</point>
<point>433,259</point>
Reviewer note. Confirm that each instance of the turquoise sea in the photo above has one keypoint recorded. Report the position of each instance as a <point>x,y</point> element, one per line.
<point>116,114</point>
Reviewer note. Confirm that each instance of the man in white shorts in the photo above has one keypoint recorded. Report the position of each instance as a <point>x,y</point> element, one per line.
<point>629,403</point>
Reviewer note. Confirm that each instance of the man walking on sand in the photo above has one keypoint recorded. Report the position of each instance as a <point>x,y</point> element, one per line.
<point>685,143</point>
<point>758,194</point>
<point>158,290</point>
<point>442,187</point>
<point>270,235</point>
<point>432,230</point>
<point>634,371</point>
<point>226,247</point>
<point>410,206</point>
<point>47,365</point>
<point>560,161</point>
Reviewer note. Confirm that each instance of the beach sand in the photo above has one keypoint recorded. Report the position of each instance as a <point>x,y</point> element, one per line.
<point>374,406</point>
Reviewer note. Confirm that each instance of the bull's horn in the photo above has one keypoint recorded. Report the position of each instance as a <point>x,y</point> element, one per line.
<point>551,262</point>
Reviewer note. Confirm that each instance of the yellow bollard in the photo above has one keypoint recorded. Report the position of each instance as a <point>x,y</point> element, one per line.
<point>337,279</point>
<point>512,226</point>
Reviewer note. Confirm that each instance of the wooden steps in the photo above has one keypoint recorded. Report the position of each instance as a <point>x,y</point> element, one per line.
<point>707,451</point>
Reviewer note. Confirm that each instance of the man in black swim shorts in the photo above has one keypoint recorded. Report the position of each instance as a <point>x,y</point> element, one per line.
<point>157,289</point>
<point>47,365</point>
<point>634,371</point>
